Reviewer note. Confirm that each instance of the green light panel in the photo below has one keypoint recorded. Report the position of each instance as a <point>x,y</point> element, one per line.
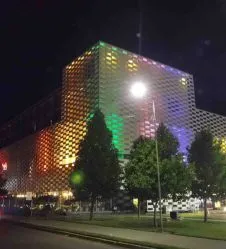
<point>115,124</point>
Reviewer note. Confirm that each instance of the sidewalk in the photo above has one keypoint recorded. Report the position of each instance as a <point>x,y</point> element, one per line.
<point>134,236</point>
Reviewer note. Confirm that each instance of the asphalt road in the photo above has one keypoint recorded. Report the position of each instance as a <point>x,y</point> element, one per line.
<point>12,236</point>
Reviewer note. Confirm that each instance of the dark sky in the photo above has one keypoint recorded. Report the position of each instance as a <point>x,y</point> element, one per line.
<point>39,37</point>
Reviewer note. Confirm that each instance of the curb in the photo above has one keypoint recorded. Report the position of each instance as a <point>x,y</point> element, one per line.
<point>93,237</point>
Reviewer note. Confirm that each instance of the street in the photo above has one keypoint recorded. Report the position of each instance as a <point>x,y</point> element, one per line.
<point>12,236</point>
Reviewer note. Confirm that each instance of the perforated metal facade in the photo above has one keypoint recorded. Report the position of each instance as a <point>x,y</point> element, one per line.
<point>172,91</point>
<point>42,162</point>
<point>103,76</point>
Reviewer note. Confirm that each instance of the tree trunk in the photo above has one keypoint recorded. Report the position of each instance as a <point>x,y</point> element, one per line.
<point>213,203</point>
<point>154,219</point>
<point>91,208</point>
<point>138,209</point>
<point>205,210</point>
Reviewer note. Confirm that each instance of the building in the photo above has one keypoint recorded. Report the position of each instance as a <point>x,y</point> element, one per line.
<point>39,147</point>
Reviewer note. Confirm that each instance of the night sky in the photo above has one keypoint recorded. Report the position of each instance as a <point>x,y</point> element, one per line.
<point>39,37</point>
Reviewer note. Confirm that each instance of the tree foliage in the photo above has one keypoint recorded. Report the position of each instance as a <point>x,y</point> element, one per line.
<point>176,176</point>
<point>167,143</point>
<point>141,170</point>
<point>97,162</point>
<point>2,184</point>
<point>210,167</point>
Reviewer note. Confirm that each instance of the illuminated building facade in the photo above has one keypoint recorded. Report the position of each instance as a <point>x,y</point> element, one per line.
<point>39,147</point>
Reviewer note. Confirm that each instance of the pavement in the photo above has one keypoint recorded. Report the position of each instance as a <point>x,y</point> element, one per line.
<point>134,236</point>
<point>12,237</point>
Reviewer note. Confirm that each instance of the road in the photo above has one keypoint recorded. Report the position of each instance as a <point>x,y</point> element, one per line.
<point>12,236</point>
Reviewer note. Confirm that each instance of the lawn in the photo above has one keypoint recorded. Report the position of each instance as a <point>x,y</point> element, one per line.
<point>213,230</point>
<point>213,215</point>
<point>195,228</point>
<point>196,215</point>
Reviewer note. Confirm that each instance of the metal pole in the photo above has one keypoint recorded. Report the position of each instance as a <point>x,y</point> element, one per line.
<point>31,206</point>
<point>140,29</point>
<point>139,34</point>
<point>158,171</point>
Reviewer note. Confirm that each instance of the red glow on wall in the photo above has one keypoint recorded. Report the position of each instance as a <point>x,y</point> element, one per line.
<point>4,166</point>
<point>44,151</point>
<point>3,161</point>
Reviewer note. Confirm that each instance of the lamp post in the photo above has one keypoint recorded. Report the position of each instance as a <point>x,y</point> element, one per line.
<point>139,90</point>
<point>157,164</point>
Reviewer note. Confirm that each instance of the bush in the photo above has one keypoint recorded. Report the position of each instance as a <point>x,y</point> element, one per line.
<point>45,211</point>
<point>60,211</point>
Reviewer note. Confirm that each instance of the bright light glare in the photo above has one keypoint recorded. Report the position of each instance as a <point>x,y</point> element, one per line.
<point>138,90</point>
<point>224,209</point>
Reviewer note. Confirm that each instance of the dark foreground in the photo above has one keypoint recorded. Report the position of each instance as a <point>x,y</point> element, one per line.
<point>12,236</point>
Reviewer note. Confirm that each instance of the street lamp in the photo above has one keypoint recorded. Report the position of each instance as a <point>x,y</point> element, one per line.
<point>139,90</point>
<point>157,163</point>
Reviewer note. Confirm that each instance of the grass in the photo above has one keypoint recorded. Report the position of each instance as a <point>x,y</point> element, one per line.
<point>196,215</point>
<point>211,230</point>
<point>199,215</point>
<point>195,228</point>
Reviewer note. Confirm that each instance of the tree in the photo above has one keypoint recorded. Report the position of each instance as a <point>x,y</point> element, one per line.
<point>210,167</point>
<point>168,144</point>
<point>97,163</point>
<point>179,177</point>
<point>141,170</point>
<point>176,176</point>
<point>2,184</point>
<point>176,179</point>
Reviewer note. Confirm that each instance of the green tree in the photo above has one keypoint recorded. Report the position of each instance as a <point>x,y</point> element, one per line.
<point>168,144</point>
<point>176,180</point>
<point>179,177</point>
<point>97,163</point>
<point>176,176</point>
<point>2,184</point>
<point>210,167</point>
<point>141,170</point>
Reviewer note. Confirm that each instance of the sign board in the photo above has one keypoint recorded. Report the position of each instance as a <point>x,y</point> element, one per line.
<point>4,166</point>
<point>29,196</point>
<point>68,160</point>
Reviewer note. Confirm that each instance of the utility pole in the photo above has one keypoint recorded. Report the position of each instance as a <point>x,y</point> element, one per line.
<point>139,35</point>
<point>158,171</point>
